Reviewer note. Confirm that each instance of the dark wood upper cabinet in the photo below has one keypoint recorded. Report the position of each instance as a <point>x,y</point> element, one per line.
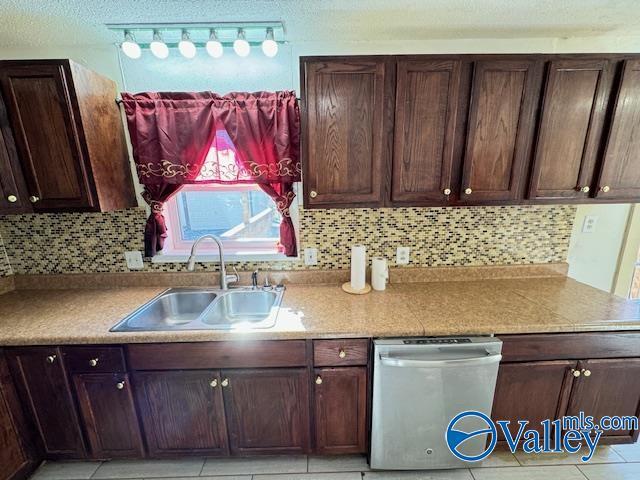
<point>43,384</point>
<point>608,387</point>
<point>570,128</point>
<point>532,391</point>
<point>348,115</point>
<point>13,192</point>
<point>267,410</point>
<point>620,173</point>
<point>69,136</point>
<point>426,121</point>
<point>109,415</point>
<point>500,129</point>
<point>341,410</point>
<point>182,412</point>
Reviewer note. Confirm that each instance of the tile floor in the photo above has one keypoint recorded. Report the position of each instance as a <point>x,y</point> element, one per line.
<point>619,462</point>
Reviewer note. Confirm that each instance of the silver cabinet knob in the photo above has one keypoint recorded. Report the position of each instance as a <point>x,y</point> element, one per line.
<point>225,382</point>
<point>468,191</point>
<point>313,194</point>
<point>93,362</point>
<point>605,189</point>
<point>51,358</point>
<point>447,191</point>
<point>318,380</point>
<point>586,373</point>
<point>576,373</point>
<point>12,199</point>
<point>34,199</point>
<point>213,383</point>
<point>120,385</point>
<point>584,189</point>
<point>342,353</point>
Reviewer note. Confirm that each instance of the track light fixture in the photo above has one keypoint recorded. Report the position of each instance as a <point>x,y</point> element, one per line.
<point>186,47</point>
<point>240,45</point>
<point>130,47</point>
<point>158,47</point>
<point>213,46</point>
<point>269,45</point>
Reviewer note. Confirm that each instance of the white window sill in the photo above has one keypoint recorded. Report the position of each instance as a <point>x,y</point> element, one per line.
<point>228,257</point>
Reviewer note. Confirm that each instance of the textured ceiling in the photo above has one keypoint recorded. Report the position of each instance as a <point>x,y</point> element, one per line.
<point>81,22</point>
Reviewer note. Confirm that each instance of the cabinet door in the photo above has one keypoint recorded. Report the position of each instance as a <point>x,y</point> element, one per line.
<point>620,174</point>
<point>109,415</point>
<point>500,129</point>
<point>43,385</point>
<point>341,410</point>
<point>46,134</point>
<point>267,410</point>
<point>532,391</point>
<point>574,107</point>
<point>182,412</point>
<point>608,387</point>
<point>427,95</point>
<point>348,114</point>
<point>13,196</point>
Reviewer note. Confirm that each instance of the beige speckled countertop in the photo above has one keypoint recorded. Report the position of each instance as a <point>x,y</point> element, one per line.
<point>499,306</point>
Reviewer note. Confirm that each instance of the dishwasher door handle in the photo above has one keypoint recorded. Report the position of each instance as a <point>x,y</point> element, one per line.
<point>456,362</point>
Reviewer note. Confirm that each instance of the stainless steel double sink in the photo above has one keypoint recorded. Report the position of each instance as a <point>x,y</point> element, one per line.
<point>206,309</point>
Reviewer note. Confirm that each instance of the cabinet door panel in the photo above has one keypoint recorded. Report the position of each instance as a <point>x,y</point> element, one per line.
<point>51,157</point>
<point>341,410</point>
<point>44,385</point>
<point>533,391</point>
<point>109,415</point>
<point>500,127</point>
<point>427,95</point>
<point>182,413</point>
<point>13,193</point>
<point>612,388</point>
<point>267,410</point>
<point>570,128</point>
<point>348,117</point>
<point>620,175</point>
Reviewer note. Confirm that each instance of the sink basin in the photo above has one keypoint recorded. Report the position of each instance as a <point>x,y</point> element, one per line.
<point>205,309</point>
<point>243,308</point>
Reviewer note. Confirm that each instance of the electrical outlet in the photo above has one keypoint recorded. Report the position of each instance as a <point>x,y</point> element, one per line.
<point>589,225</point>
<point>310,256</point>
<point>134,260</point>
<point>403,255</point>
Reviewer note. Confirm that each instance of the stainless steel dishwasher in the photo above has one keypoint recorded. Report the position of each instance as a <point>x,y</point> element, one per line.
<point>419,386</point>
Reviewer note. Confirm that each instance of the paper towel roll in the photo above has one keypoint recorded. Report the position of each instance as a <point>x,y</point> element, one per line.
<point>379,273</point>
<point>358,266</point>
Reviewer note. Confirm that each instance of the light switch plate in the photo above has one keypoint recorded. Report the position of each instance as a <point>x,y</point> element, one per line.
<point>310,256</point>
<point>589,225</point>
<point>134,260</point>
<point>403,255</point>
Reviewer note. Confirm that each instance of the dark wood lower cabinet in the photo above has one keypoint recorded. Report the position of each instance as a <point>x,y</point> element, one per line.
<point>532,391</point>
<point>182,412</point>
<point>340,410</point>
<point>108,411</point>
<point>44,388</point>
<point>267,410</point>
<point>608,387</point>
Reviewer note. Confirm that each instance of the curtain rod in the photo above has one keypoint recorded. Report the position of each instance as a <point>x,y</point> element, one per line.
<point>119,100</point>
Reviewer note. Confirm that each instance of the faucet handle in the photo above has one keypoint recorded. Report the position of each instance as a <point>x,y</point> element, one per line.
<point>234,277</point>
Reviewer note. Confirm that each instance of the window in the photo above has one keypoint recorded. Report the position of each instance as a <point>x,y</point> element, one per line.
<point>243,216</point>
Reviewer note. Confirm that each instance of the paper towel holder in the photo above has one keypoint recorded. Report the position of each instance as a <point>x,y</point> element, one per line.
<point>347,288</point>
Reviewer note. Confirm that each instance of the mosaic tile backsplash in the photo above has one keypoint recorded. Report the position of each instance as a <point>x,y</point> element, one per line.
<point>5,266</point>
<point>95,242</point>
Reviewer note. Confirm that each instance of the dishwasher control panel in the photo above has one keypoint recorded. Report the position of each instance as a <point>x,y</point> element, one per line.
<point>436,341</point>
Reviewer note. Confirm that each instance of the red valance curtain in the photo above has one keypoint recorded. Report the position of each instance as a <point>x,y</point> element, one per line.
<point>184,138</point>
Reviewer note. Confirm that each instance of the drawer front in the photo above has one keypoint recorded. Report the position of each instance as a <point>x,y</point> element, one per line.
<point>94,359</point>
<point>250,354</point>
<point>327,353</point>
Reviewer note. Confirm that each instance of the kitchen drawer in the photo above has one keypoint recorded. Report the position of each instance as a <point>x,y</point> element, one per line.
<point>94,359</point>
<point>250,354</point>
<point>340,352</point>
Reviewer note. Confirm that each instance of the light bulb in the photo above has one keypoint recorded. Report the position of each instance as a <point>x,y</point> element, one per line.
<point>186,47</point>
<point>269,45</point>
<point>240,45</point>
<point>158,47</point>
<point>213,46</point>
<point>130,47</point>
